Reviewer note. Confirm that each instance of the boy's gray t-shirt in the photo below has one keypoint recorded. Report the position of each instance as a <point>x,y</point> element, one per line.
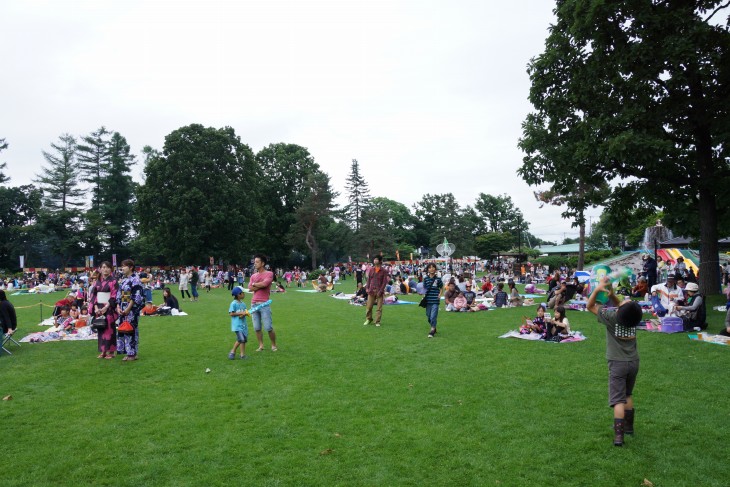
<point>620,340</point>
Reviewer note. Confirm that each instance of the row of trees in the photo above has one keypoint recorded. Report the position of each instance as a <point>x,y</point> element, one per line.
<point>206,193</point>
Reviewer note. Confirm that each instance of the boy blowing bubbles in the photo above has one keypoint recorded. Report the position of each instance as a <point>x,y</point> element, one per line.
<point>621,353</point>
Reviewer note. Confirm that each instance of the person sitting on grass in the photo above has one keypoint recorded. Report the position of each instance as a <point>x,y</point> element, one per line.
<point>537,325</point>
<point>559,294</point>
<point>558,327</point>
<point>452,292</point>
<point>500,297</point>
<point>64,322</point>
<point>238,312</point>
<point>641,289</point>
<point>170,300</point>
<point>470,296</point>
<point>694,312</point>
<point>621,354</point>
<point>514,295</point>
<point>487,288</point>
<point>84,316</point>
<point>361,296</point>
<point>322,283</point>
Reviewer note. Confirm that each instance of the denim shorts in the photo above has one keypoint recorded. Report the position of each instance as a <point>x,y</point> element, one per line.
<point>242,336</point>
<point>262,315</point>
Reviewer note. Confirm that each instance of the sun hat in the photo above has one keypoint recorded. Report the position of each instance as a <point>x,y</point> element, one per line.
<point>691,286</point>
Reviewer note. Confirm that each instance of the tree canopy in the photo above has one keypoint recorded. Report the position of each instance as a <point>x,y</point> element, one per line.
<point>635,94</point>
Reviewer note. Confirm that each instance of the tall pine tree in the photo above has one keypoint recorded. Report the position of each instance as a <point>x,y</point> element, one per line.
<point>358,196</point>
<point>59,180</point>
<point>117,196</point>
<point>93,160</point>
<point>59,215</point>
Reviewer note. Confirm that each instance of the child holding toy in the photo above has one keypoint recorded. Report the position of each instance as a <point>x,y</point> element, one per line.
<point>537,325</point>
<point>238,312</point>
<point>621,354</point>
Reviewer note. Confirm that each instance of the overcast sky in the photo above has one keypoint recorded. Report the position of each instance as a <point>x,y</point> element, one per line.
<point>429,96</point>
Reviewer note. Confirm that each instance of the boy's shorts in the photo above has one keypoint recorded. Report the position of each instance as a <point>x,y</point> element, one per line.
<point>242,336</point>
<point>621,380</point>
<point>262,316</point>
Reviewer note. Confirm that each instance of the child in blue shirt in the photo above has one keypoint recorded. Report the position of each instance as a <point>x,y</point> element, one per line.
<point>238,312</point>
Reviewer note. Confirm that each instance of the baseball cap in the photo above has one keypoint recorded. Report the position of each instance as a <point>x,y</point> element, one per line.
<point>236,291</point>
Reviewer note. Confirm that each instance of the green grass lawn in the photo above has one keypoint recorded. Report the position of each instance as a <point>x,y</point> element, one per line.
<point>345,404</point>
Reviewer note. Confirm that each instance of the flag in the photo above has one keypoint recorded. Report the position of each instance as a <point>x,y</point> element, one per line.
<point>22,261</point>
<point>114,260</point>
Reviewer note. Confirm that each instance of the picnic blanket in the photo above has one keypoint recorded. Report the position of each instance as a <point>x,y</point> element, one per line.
<point>710,338</point>
<point>575,336</point>
<point>307,291</point>
<point>342,296</point>
<point>52,335</point>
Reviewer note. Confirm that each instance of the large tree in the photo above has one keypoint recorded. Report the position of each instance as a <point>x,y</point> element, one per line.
<point>93,159</point>
<point>59,179</point>
<point>636,94</point>
<point>117,198</point>
<point>358,196</point>
<point>314,214</point>
<point>385,225</point>
<point>59,217</point>
<point>200,197</point>
<point>285,169</point>
<point>440,216</point>
<point>19,208</point>
<point>498,213</point>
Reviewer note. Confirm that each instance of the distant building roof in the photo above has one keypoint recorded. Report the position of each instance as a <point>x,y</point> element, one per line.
<point>558,249</point>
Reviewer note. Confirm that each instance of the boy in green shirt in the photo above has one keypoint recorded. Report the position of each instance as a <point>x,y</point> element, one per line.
<point>621,353</point>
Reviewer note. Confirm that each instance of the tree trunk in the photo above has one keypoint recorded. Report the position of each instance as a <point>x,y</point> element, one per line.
<point>581,242</point>
<point>709,278</point>
<point>312,245</point>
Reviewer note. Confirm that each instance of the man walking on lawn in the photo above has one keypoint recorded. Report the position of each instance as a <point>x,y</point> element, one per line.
<point>260,284</point>
<point>377,280</point>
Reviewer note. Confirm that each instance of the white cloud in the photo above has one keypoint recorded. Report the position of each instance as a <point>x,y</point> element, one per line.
<point>429,96</point>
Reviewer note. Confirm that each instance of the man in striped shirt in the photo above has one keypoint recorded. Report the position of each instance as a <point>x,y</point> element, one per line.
<point>433,286</point>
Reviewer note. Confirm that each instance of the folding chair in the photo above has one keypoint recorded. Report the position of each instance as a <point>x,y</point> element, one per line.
<point>8,338</point>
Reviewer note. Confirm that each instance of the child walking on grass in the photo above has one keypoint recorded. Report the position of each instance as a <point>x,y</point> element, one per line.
<point>238,312</point>
<point>621,353</point>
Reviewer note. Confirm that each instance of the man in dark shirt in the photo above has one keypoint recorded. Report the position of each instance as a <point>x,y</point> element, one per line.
<point>377,280</point>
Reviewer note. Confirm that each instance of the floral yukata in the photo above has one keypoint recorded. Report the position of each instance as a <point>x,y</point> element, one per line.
<point>131,293</point>
<point>107,339</point>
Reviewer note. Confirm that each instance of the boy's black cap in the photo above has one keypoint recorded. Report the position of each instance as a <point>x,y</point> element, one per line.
<point>629,314</point>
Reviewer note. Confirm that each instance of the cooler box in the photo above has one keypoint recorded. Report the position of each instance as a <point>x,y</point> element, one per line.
<point>672,324</point>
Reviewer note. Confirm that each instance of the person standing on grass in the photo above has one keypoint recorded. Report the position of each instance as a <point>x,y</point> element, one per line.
<point>194,279</point>
<point>103,303</point>
<point>260,284</point>
<point>375,287</point>
<point>129,306</point>
<point>183,284</point>
<point>433,286</point>
<point>621,353</point>
<point>238,311</point>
